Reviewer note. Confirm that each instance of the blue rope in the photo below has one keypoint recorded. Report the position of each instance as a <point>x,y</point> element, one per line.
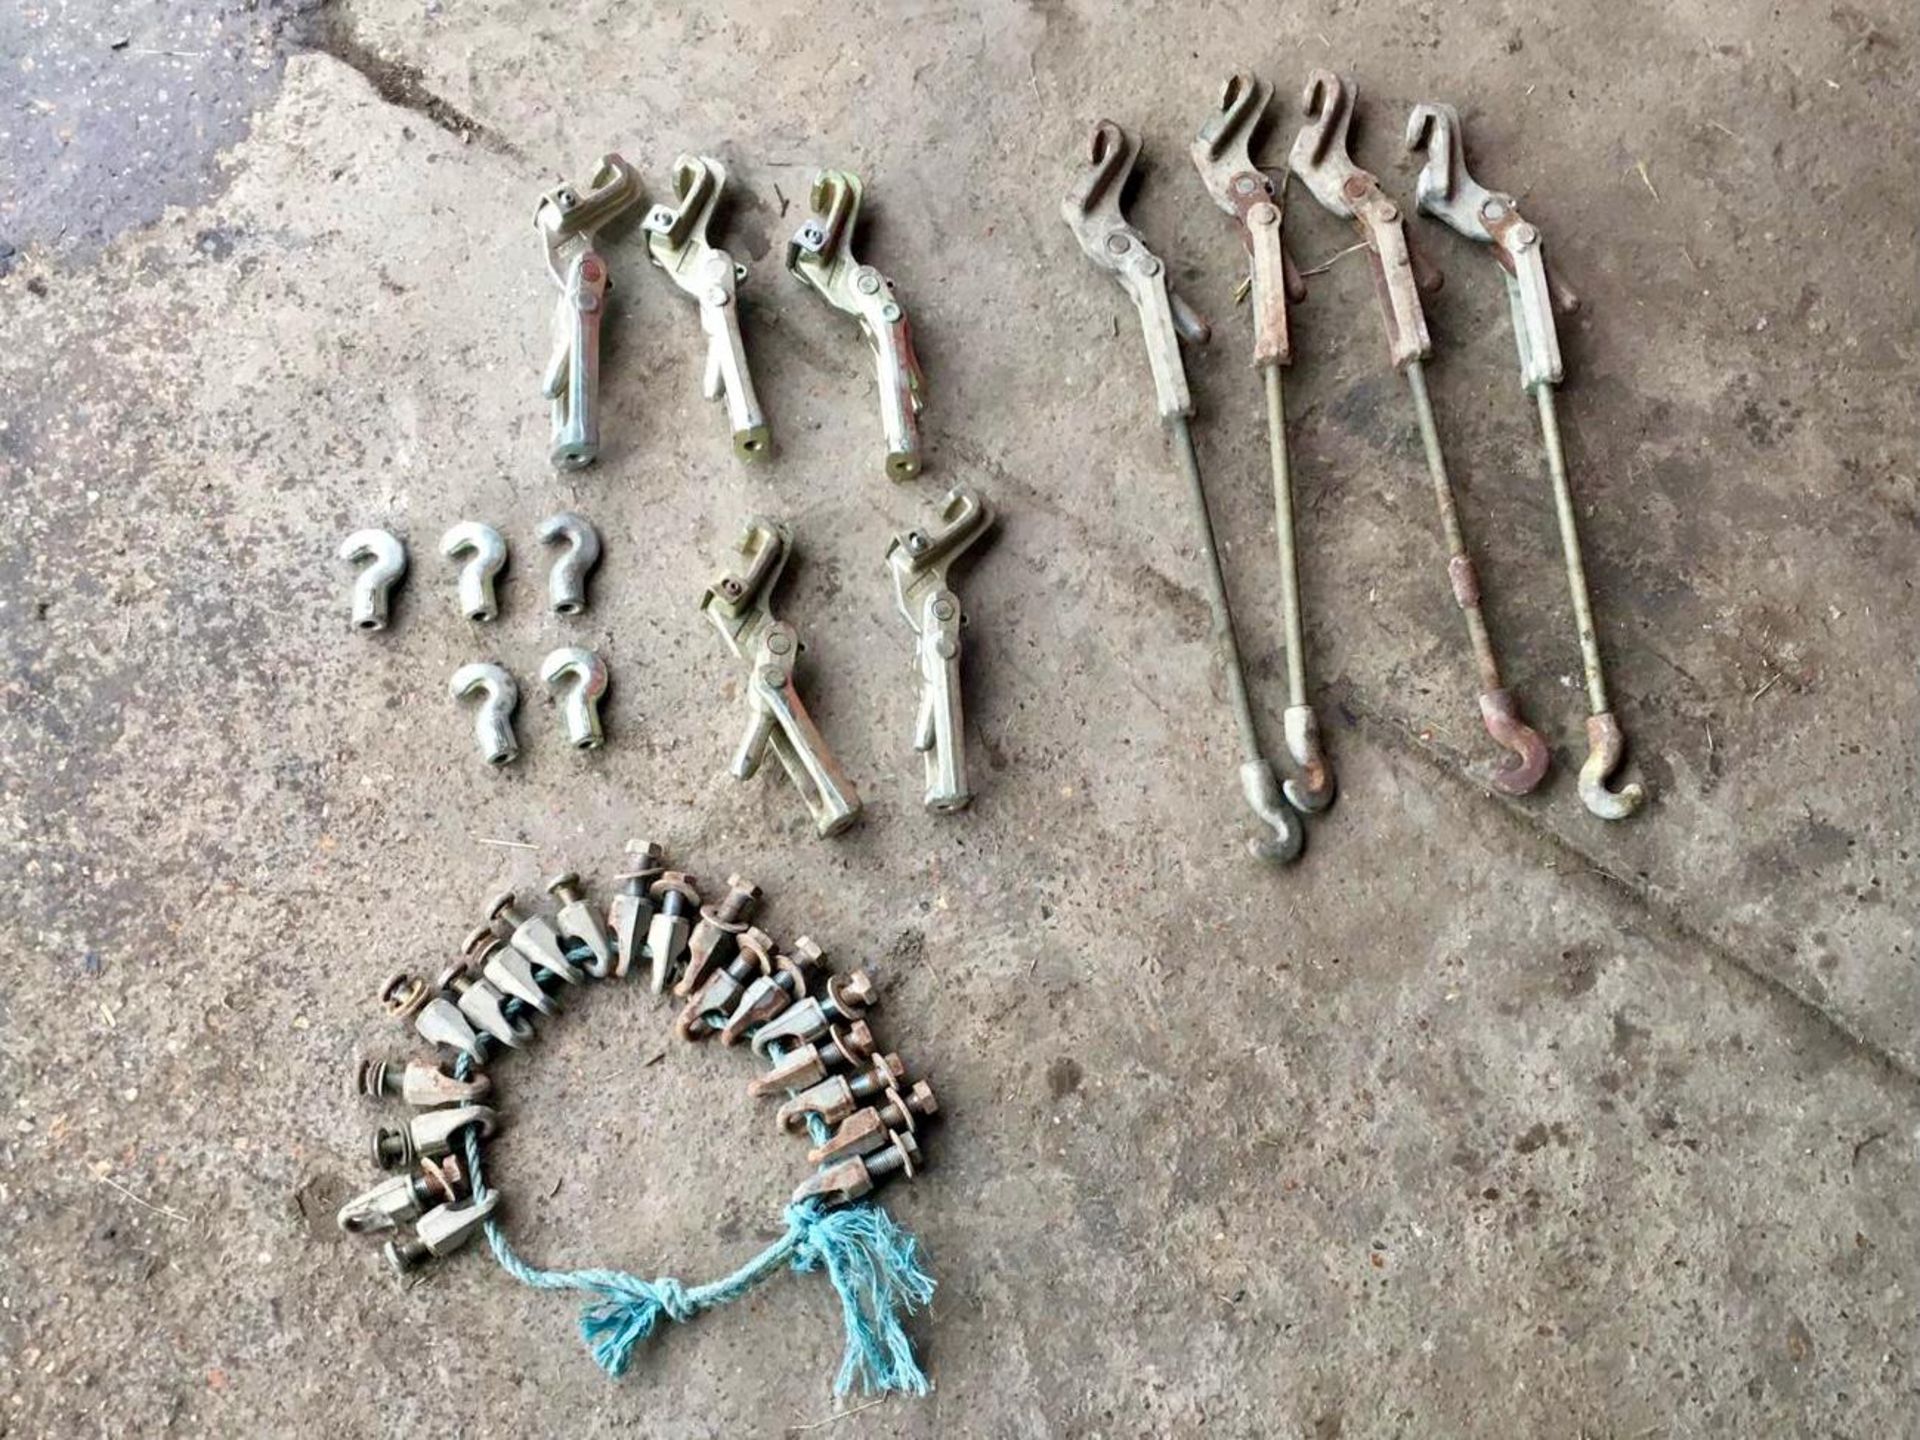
<point>874,1266</point>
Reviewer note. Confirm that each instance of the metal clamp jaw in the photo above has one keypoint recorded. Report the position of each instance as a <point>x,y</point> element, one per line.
<point>1321,159</point>
<point>1449,194</point>
<point>1092,210</point>
<point>569,219</point>
<point>919,561</point>
<point>821,255</point>
<point>677,241</point>
<point>1245,192</point>
<point>740,607</point>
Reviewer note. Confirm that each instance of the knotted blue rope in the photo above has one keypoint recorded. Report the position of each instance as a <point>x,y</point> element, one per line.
<point>874,1267</point>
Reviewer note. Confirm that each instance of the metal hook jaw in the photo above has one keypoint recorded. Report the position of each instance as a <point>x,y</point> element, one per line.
<point>1606,747</point>
<point>739,604</point>
<point>1264,797</point>
<point>677,242</point>
<point>820,255</point>
<point>1092,210</point>
<point>919,562</point>
<point>570,217</point>
<point>1526,766</point>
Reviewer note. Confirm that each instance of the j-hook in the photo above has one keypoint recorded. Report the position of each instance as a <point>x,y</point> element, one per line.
<point>579,678</point>
<point>1222,155</point>
<point>567,580</point>
<point>1321,159</point>
<point>483,555</point>
<point>1448,193</point>
<point>493,717</point>
<point>374,583</point>
<point>1092,211</point>
<point>569,219</point>
<point>677,241</point>
<point>820,255</point>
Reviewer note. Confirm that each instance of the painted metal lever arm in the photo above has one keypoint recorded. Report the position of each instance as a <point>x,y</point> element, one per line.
<point>1092,210</point>
<point>1320,158</point>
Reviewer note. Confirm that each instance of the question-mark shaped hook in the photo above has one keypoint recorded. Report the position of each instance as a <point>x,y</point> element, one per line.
<point>488,554</point>
<point>1527,765</point>
<point>567,581</point>
<point>1264,798</point>
<point>1605,747</point>
<point>580,704</point>
<point>493,718</point>
<point>375,582</point>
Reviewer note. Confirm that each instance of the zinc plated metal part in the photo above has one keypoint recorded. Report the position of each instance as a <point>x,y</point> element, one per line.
<point>740,607</point>
<point>440,1231</point>
<point>837,1096</point>
<point>1321,160</point>
<point>716,934</point>
<point>418,1083</point>
<point>484,1006</point>
<point>482,555</point>
<point>919,561</point>
<point>842,1049</point>
<point>820,255</point>
<point>569,219</point>
<point>400,1198</point>
<point>578,677</point>
<point>850,1179</point>
<point>435,1018</point>
<point>677,241</point>
<point>1448,193</point>
<point>675,903</point>
<point>579,919</point>
<point>428,1133</point>
<point>567,580</point>
<point>1092,210</point>
<point>534,937</point>
<point>373,584</point>
<point>493,716</point>
<point>630,911</point>
<point>506,969</point>
<point>1223,156</point>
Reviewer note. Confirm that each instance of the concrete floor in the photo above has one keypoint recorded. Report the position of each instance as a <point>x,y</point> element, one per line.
<point>1488,1119</point>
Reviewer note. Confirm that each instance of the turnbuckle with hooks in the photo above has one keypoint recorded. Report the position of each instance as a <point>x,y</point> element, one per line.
<point>1449,194</point>
<point>1092,209</point>
<point>1246,193</point>
<point>1321,159</point>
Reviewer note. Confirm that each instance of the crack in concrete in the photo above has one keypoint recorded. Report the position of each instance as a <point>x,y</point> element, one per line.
<point>1396,734</point>
<point>404,86</point>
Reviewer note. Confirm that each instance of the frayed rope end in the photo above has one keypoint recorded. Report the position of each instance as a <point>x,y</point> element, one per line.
<point>876,1270</point>
<point>630,1311</point>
